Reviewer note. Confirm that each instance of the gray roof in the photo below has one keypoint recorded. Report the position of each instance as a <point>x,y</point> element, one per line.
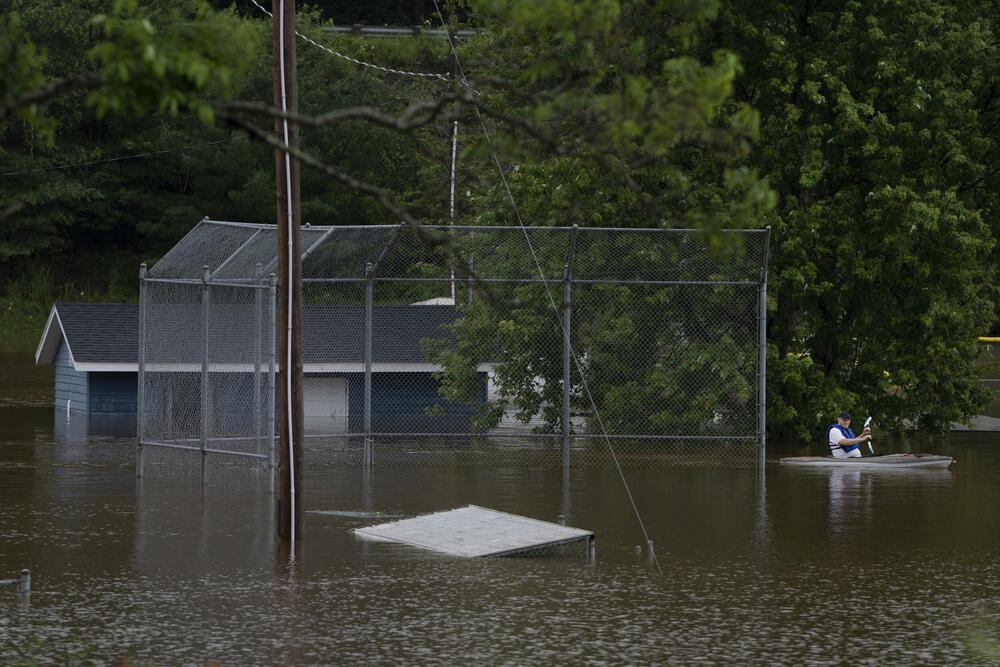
<point>101,332</point>
<point>109,333</point>
<point>334,334</point>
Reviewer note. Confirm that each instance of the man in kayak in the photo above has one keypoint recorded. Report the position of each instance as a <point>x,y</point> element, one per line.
<point>843,443</point>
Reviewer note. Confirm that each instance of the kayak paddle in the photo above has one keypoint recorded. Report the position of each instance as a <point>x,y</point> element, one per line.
<point>868,421</point>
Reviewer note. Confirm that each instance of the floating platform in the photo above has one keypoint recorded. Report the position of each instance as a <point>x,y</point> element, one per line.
<point>479,532</point>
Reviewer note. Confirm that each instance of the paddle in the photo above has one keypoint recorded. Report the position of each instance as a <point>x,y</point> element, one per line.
<point>868,421</point>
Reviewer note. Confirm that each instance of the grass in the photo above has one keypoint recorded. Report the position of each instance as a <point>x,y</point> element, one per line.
<point>28,298</point>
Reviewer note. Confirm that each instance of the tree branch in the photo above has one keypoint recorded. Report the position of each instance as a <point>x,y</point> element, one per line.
<point>416,114</point>
<point>49,90</point>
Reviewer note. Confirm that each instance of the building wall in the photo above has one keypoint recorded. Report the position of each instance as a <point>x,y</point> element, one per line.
<point>71,385</point>
<point>113,393</point>
<point>400,400</point>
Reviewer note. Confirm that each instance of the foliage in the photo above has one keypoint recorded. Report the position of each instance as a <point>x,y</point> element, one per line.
<point>609,124</point>
<point>862,132</point>
<point>171,67</point>
<point>71,201</point>
<point>878,135</point>
<point>640,127</point>
<point>27,299</point>
<point>21,69</point>
<point>106,174</point>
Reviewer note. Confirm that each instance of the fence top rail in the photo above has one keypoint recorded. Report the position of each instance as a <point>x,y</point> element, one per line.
<point>513,281</point>
<point>491,228</point>
<point>252,283</point>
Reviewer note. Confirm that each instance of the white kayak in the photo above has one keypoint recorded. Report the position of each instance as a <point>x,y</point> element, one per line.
<point>881,461</point>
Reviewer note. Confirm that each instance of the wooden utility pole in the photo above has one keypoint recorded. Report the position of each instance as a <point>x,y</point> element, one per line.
<point>289,323</point>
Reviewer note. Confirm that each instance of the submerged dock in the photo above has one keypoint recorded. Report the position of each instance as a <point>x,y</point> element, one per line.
<point>479,532</point>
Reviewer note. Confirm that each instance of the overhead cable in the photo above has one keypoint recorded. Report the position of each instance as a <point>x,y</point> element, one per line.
<point>112,159</point>
<point>426,75</point>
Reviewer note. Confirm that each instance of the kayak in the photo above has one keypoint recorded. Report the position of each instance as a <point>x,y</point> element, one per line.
<point>881,461</point>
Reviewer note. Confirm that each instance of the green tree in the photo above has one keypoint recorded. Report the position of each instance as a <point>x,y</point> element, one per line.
<point>613,116</point>
<point>108,158</point>
<point>878,133</point>
<point>89,96</point>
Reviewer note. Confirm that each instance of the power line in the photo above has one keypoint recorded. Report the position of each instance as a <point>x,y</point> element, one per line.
<point>394,31</point>
<point>426,75</point>
<point>113,159</point>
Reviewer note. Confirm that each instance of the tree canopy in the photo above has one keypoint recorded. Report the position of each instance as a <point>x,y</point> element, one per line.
<point>863,133</point>
<point>879,136</point>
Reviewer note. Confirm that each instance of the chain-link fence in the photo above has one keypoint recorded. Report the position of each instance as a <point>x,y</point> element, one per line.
<point>462,345</point>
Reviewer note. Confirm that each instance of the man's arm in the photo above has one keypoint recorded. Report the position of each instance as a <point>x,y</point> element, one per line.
<point>865,436</point>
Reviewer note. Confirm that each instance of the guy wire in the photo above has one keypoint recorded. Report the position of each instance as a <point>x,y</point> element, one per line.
<point>548,292</point>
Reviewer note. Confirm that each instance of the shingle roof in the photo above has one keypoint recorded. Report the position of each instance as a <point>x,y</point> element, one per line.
<point>101,332</point>
<point>109,332</point>
<point>335,334</point>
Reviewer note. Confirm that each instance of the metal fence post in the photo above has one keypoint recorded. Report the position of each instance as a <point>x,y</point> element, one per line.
<point>567,310</point>
<point>258,353</point>
<point>367,453</point>
<point>567,354</point>
<point>469,295</point>
<point>272,342</point>
<point>140,389</point>
<point>762,355</point>
<point>205,279</point>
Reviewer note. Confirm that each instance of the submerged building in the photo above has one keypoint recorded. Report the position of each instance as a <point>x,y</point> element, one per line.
<point>94,349</point>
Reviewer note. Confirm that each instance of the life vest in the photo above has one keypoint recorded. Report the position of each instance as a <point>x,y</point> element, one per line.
<point>847,434</point>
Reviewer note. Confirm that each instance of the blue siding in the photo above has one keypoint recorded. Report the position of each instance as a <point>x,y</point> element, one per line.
<point>92,393</point>
<point>71,385</point>
<point>400,399</point>
<point>113,393</point>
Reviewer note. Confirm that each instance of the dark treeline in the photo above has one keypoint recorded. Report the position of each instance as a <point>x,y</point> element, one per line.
<point>109,192</point>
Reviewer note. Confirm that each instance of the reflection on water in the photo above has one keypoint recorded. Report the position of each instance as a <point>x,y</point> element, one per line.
<point>756,568</point>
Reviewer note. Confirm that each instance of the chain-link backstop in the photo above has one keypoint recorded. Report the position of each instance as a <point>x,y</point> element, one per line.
<point>455,345</point>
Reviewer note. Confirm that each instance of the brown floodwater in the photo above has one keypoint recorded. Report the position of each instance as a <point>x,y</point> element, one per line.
<point>788,566</point>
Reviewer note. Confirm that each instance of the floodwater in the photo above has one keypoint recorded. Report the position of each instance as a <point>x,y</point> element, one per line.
<point>792,566</point>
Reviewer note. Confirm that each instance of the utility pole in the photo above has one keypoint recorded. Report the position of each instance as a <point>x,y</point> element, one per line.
<point>289,279</point>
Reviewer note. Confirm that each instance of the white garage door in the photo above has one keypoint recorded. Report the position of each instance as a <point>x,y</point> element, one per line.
<point>325,397</point>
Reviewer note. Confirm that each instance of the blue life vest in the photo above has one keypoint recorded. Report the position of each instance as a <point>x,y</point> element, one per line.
<point>847,434</point>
